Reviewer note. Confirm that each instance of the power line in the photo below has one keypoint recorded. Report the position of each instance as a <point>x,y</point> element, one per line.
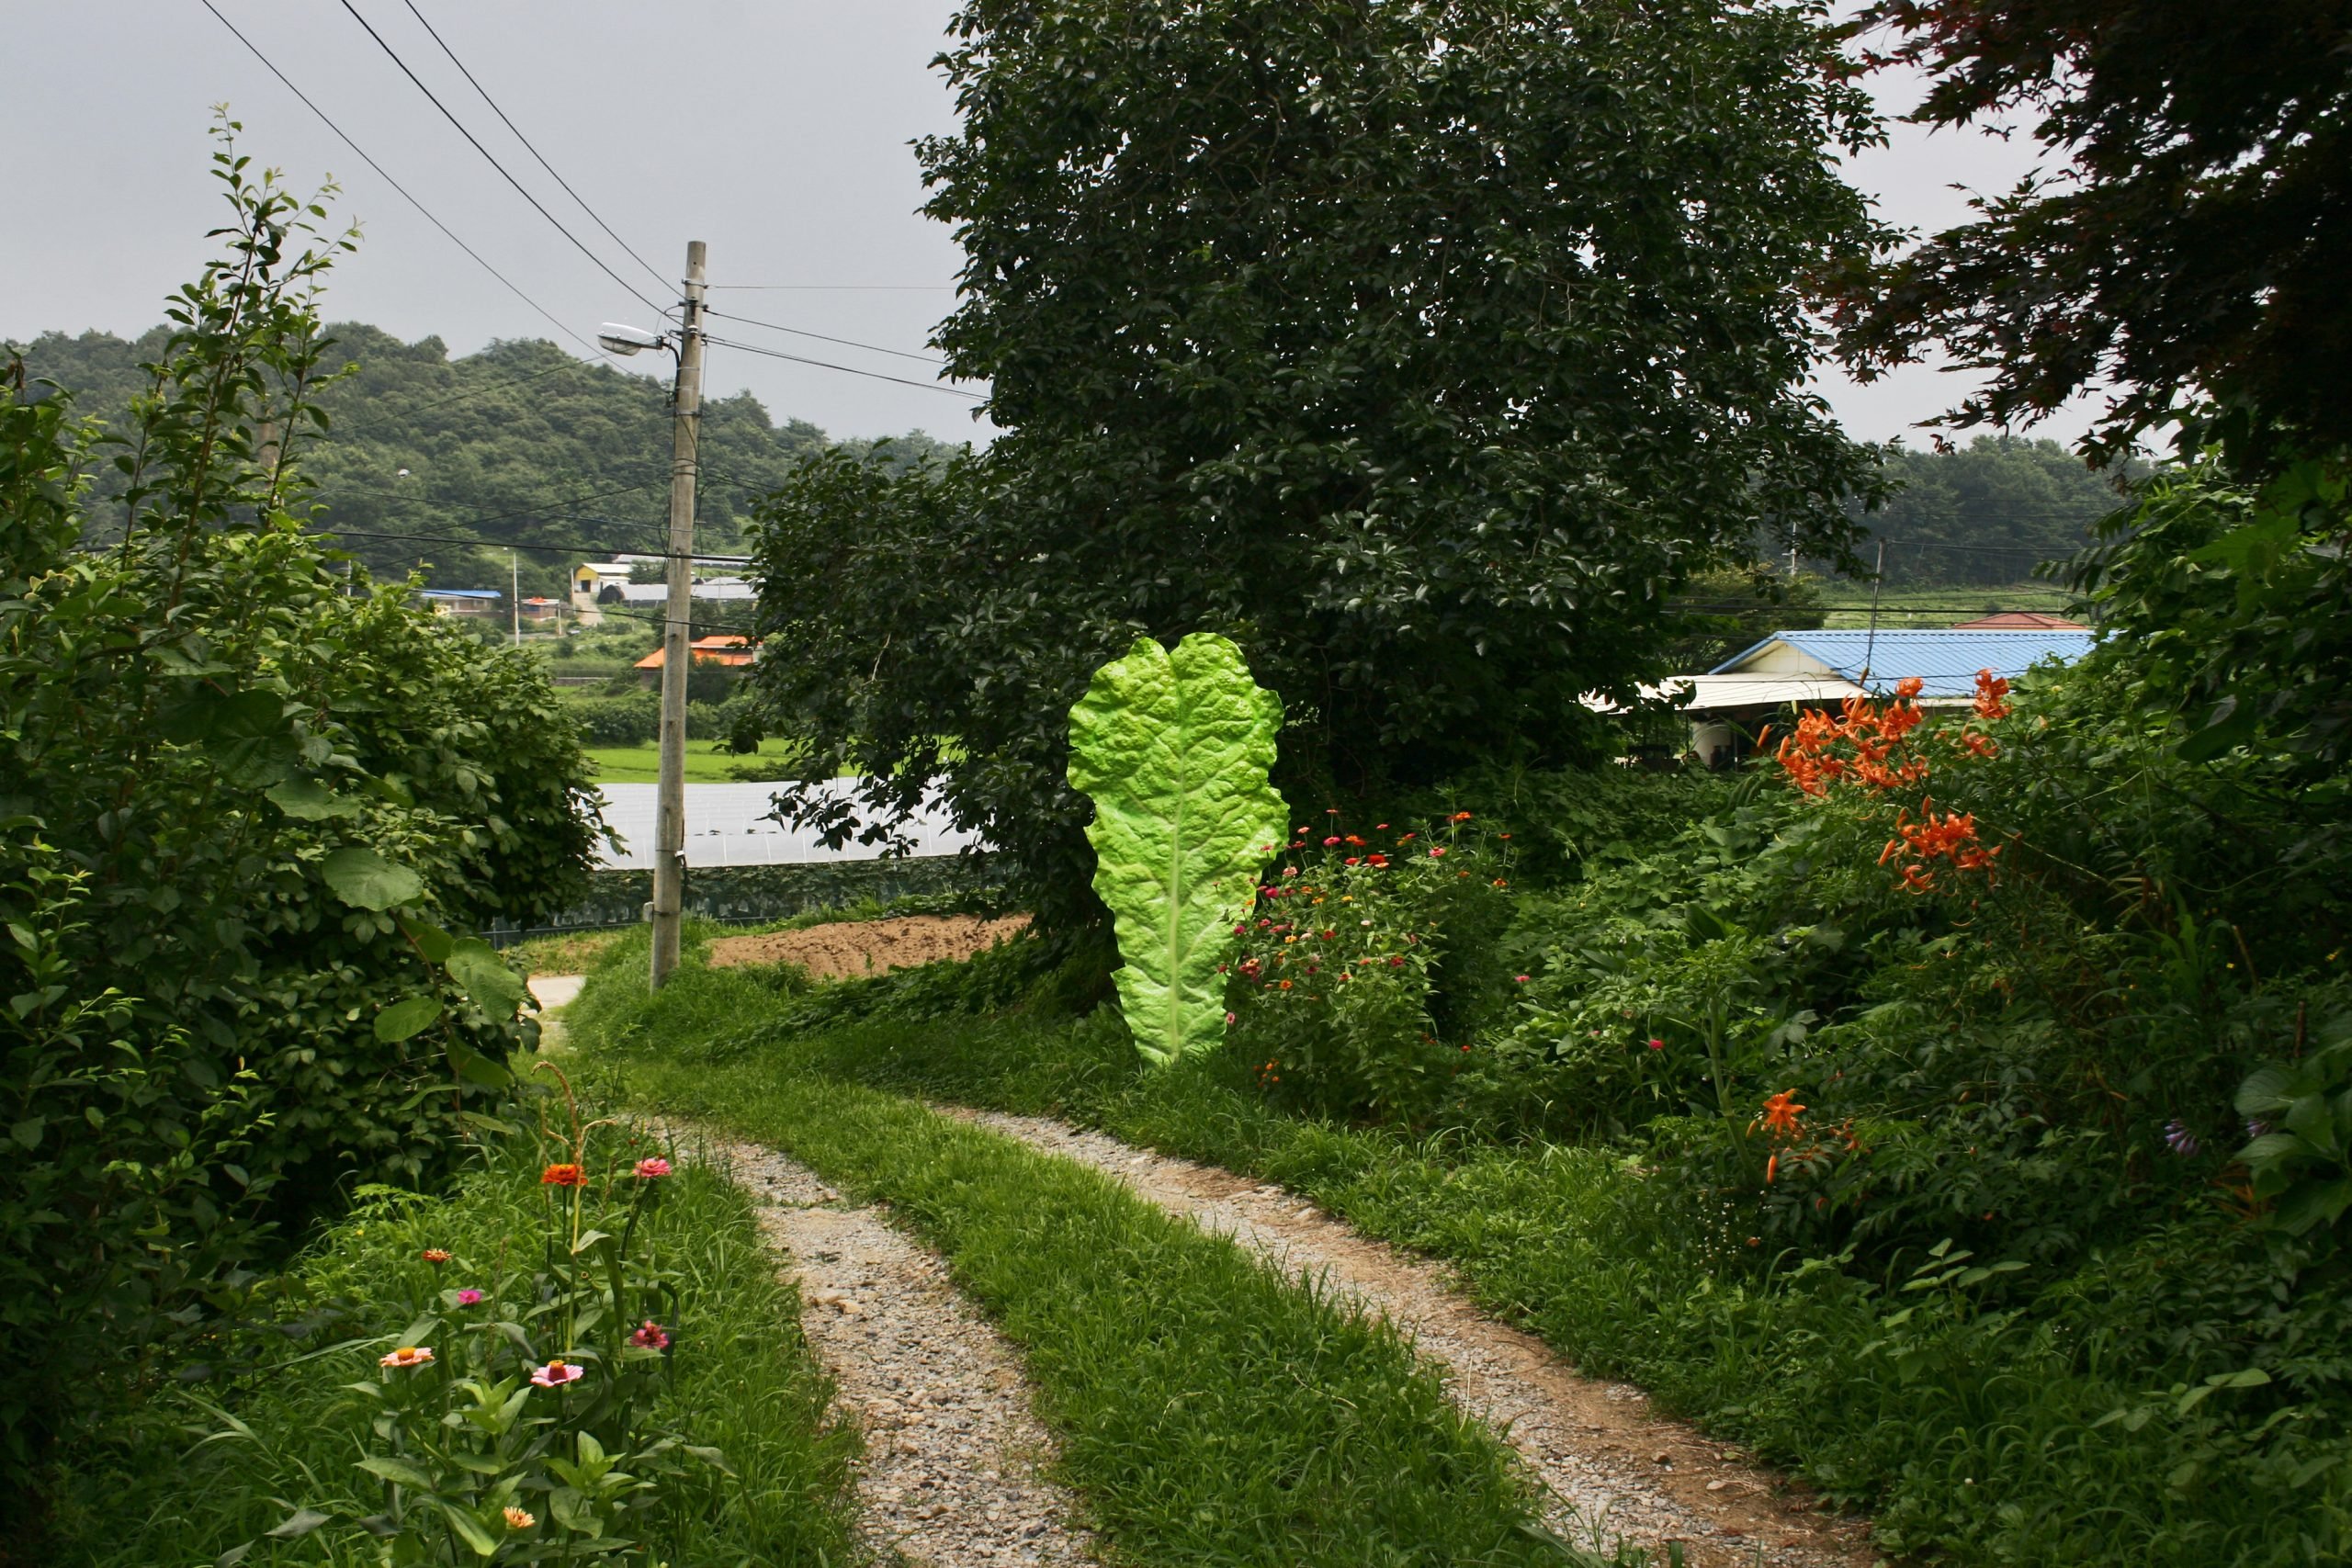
<point>845,369</point>
<point>839,288</point>
<point>844,342</point>
<point>421,207</point>
<point>510,179</point>
<point>656,272</point>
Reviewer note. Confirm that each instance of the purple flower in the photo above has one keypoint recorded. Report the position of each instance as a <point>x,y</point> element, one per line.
<point>2256,1127</point>
<point>2179,1139</point>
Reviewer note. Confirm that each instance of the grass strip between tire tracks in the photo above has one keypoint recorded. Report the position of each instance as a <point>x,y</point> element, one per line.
<point>1209,1410</point>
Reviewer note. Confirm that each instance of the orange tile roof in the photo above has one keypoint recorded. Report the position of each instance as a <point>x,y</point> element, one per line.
<point>730,650</point>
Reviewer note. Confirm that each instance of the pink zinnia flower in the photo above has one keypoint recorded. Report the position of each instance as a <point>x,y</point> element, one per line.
<point>1657,1044</point>
<point>1436,852</point>
<point>469,1297</point>
<point>408,1356</point>
<point>651,1337</point>
<point>556,1373</point>
<point>652,1169</point>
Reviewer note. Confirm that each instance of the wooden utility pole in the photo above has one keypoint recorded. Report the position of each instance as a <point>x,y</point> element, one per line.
<point>669,819</point>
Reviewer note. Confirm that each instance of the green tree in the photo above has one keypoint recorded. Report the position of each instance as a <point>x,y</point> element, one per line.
<point>2193,238</point>
<point>1423,350</point>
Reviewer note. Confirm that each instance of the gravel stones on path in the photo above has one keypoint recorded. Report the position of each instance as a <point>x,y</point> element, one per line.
<point>1611,1468</point>
<point>951,1474</point>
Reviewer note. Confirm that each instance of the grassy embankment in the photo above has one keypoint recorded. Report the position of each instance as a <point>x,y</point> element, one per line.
<point>1987,1436</point>
<point>288,1433</point>
<point>1209,1411</point>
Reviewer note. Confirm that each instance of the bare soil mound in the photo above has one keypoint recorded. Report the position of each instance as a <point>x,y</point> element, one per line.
<point>851,949</point>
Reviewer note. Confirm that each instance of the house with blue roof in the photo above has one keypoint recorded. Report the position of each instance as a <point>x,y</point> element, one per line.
<point>1817,668</point>
<point>463,601</point>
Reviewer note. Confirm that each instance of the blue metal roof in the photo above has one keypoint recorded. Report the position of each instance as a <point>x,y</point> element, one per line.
<point>1946,660</point>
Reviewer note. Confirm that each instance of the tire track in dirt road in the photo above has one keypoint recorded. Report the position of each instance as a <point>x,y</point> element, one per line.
<point>952,1473</point>
<point>1611,1468</point>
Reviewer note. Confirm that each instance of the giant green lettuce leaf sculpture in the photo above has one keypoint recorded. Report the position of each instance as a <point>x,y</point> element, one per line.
<point>1174,748</point>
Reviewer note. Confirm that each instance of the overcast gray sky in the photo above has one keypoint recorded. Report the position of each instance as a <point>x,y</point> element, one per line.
<point>775,129</point>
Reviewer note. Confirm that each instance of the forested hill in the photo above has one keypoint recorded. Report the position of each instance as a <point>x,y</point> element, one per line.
<point>524,443</point>
<point>1989,512</point>
<point>521,443</point>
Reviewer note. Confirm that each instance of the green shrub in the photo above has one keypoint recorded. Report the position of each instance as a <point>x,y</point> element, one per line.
<point>630,719</point>
<point>236,806</point>
<point>1365,970</point>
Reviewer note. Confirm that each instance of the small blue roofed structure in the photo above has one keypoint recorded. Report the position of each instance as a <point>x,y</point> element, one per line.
<point>462,601</point>
<point>1945,661</point>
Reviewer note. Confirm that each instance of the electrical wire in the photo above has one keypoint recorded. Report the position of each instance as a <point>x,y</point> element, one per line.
<point>845,369</point>
<point>536,204</point>
<point>841,288</point>
<point>656,272</point>
<point>426,212</point>
<point>820,337</point>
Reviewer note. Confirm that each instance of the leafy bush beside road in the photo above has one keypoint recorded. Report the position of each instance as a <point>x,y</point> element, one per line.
<point>240,811</point>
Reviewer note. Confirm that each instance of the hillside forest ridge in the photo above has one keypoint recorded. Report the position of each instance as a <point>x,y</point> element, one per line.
<point>523,444</point>
<point>519,444</point>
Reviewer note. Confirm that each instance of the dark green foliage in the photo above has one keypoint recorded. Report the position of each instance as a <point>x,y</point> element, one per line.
<point>2194,238</point>
<point>235,807</point>
<point>2234,597</point>
<point>1422,350</point>
<point>631,720</point>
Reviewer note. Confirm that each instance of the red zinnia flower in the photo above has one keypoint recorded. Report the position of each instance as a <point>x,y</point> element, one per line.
<point>563,1176</point>
<point>434,1255</point>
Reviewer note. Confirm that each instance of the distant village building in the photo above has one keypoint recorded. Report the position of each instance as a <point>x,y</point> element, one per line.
<point>1813,669</point>
<point>463,601</point>
<point>598,585</point>
<point>1728,705</point>
<point>2020,621</point>
<point>734,653</point>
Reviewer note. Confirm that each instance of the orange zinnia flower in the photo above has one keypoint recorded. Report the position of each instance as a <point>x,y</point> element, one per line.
<point>563,1176</point>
